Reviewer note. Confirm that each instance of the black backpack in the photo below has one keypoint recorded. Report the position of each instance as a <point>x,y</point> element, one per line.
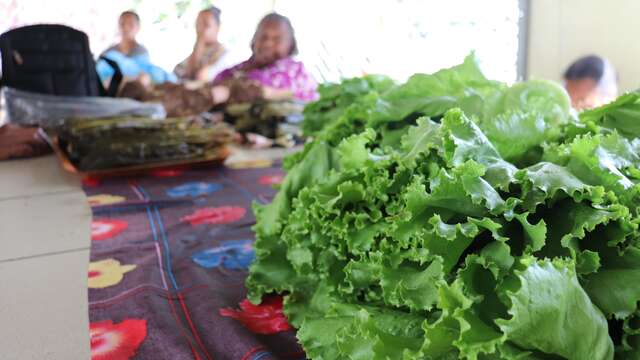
<point>52,59</point>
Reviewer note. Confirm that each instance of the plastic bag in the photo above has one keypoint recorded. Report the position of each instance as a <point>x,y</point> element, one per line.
<point>50,111</point>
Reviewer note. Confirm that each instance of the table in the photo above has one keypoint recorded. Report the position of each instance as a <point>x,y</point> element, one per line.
<point>45,224</point>
<point>44,252</point>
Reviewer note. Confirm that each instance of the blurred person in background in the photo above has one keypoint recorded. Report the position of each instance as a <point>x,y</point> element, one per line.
<point>132,58</point>
<point>591,81</point>
<point>209,57</point>
<point>129,26</point>
<point>270,82</point>
<point>270,72</point>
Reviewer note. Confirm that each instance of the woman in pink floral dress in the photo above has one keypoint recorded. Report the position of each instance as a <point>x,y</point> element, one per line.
<point>271,72</point>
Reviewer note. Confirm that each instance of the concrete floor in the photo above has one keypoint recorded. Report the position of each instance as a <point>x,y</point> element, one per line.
<point>44,254</point>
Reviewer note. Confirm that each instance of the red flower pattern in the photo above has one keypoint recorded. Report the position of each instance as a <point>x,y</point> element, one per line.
<point>266,318</point>
<point>91,181</point>
<point>218,215</point>
<point>119,341</point>
<point>102,229</point>
<point>271,179</point>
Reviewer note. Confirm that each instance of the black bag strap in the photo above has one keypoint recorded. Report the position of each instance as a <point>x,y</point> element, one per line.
<point>116,79</point>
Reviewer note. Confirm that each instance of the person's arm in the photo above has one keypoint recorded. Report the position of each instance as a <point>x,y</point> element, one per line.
<point>181,70</point>
<point>185,69</point>
<point>202,75</point>
<point>212,71</point>
<point>193,61</point>
<point>17,142</point>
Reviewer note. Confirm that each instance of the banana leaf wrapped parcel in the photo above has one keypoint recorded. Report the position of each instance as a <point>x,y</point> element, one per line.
<point>126,141</point>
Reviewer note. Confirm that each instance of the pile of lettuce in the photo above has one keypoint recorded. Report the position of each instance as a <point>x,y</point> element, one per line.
<point>336,98</point>
<point>454,217</point>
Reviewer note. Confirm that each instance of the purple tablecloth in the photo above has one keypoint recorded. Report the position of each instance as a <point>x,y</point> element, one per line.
<point>169,250</point>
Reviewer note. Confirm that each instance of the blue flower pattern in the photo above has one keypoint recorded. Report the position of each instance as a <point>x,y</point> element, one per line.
<point>193,189</point>
<point>232,255</point>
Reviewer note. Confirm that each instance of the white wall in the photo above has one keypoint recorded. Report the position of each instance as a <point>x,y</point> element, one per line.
<point>560,31</point>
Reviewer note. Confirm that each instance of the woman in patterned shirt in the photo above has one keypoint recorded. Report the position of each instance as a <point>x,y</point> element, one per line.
<point>209,57</point>
<point>271,72</point>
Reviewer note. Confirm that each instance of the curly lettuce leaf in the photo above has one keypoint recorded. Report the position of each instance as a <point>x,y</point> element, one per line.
<point>336,98</point>
<point>453,217</point>
<point>614,288</point>
<point>432,95</point>
<point>544,97</point>
<point>463,140</point>
<point>599,160</point>
<point>551,313</point>
<point>620,115</point>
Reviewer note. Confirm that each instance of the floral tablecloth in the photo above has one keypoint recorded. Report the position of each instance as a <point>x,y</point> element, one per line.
<point>169,255</point>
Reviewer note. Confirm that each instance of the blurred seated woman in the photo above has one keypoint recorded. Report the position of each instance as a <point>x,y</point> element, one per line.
<point>132,58</point>
<point>591,81</point>
<point>209,57</point>
<point>270,73</point>
<point>129,26</point>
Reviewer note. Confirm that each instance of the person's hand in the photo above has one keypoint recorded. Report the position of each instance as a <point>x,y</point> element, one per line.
<point>17,142</point>
<point>145,80</point>
<point>220,94</point>
<point>273,94</point>
<point>203,74</point>
<point>194,59</point>
<point>257,141</point>
<point>200,43</point>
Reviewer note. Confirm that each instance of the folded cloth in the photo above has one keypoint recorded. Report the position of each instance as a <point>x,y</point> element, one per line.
<point>17,142</point>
